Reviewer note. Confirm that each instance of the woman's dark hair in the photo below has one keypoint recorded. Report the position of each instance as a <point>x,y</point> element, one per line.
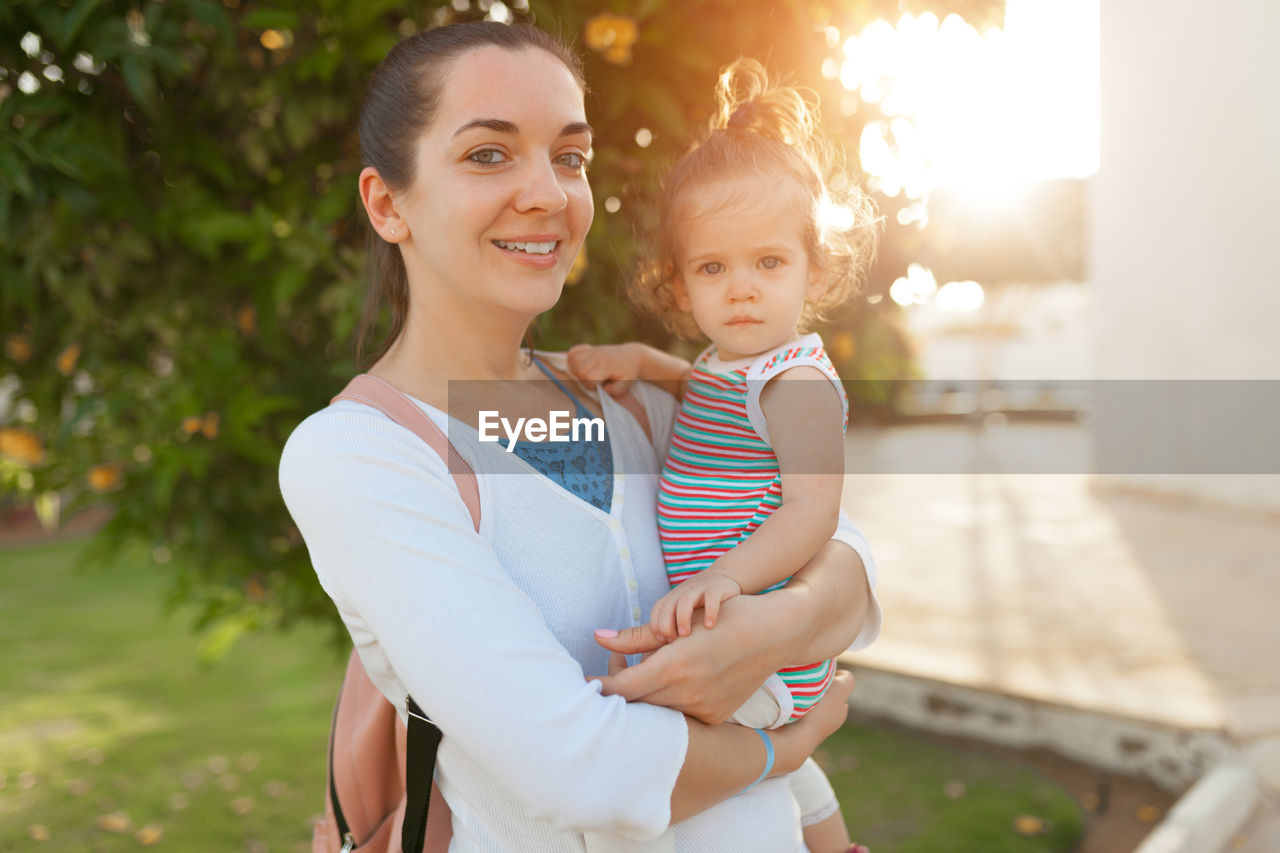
<point>399,105</point>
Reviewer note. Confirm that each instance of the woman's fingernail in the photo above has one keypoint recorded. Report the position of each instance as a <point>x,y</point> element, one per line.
<point>606,633</point>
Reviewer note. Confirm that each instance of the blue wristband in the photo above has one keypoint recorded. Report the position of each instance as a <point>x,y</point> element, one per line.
<point>768,760</point>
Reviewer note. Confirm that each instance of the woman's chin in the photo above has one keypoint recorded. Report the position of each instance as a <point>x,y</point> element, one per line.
<point>531,301</point>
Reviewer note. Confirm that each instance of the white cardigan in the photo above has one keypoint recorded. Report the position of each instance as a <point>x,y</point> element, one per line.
<point>492,632</point>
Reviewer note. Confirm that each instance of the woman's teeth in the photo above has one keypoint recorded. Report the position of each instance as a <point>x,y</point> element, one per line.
<point>527,248</point>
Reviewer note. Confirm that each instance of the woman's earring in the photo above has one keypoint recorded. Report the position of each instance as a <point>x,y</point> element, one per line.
<point>393,230</point>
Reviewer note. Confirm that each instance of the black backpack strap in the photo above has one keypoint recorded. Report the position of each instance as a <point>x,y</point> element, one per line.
<point>421,744</point>
<point>344,831</point>
<point>420,763</point>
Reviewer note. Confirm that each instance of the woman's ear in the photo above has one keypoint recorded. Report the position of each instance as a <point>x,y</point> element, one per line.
<point>681,294</point>
<point>380,205</point>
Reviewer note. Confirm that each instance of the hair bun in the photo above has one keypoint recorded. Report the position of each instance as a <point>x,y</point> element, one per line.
<point>742,116</point>
<point>748,99</point>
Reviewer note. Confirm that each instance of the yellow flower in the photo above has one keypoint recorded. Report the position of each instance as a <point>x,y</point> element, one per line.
<point>843,347</point>
<point>149,834</point>
<point>191,424</point>
<point>273,39</point>
<point>254,590</point>
<point>612,35</point>
<point>579,266</point>
<point>104,477</point>
<point>210,425</point>
<point>1028,825</point>
<point>22,445</point>
<point>115,822</point>
<point>598,32</point>
<point>67,359</point>
<point>247,320</point>
<point>18,348</point>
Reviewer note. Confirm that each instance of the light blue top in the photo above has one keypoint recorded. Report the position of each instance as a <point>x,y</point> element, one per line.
<point>584,467</point>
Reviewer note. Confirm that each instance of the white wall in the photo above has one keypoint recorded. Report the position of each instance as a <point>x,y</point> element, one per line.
<point>1185,208</point>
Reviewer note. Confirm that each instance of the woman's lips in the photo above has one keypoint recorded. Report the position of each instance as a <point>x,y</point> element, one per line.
<point>537,253</point>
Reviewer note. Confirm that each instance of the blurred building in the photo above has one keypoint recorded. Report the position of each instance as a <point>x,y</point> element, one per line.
<point>1184,227</point>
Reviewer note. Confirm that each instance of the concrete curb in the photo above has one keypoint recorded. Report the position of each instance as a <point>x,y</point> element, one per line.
<point>1171,758</point>
<point>1226,781</point>
<point>1206,818</point>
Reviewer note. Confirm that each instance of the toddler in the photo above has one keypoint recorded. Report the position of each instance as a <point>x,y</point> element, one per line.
<point>761,229</point>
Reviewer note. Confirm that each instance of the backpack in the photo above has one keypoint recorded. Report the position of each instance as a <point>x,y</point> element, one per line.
<point>379,789</point>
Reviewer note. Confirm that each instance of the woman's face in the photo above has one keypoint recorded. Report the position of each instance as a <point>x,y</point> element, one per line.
<point>500,203</point>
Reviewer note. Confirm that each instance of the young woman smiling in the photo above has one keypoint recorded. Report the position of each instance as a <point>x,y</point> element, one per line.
<point>475,141</point>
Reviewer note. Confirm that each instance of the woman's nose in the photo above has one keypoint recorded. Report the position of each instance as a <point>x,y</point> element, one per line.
<point>541,190</point>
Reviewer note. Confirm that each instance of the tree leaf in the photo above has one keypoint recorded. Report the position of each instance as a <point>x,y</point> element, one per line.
<point>271,19</point>
<point>74,20</point>
<point>139,80</point>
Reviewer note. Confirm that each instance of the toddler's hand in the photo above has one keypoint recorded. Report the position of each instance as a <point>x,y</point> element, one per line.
<point>612,366</point>
<point>673,613</point>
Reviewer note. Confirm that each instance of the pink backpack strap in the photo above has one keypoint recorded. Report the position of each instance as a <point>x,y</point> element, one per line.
<point>386,398</point>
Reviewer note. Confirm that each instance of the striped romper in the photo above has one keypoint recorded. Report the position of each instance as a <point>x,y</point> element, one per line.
<point>721,480</point>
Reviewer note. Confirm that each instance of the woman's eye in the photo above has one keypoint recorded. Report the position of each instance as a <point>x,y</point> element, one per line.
<point>487,156</point>
<point>770,263</point>
<point>713,268</point>
<point>573,160</point>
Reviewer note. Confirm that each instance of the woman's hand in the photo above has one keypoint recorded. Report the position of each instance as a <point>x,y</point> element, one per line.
<point>708,673</point>
<point>722,760</point>
<point>795,742</point>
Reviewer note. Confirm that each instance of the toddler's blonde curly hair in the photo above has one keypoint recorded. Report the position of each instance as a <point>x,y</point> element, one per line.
<point>767,131</point>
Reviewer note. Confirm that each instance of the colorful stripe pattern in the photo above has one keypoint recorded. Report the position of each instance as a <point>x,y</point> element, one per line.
<point>721,481</point>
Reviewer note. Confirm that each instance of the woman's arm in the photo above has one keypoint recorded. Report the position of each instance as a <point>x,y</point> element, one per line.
<point>709,673</point>
<point>725,758</point>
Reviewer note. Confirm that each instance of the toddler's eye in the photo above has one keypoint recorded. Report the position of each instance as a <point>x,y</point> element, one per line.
<point>487,156</point>
<point>712,268</point>
<point>574,160</point>
<point>771,262</point>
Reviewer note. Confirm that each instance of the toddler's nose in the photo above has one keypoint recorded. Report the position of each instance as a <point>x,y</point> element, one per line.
<point>742,289</point>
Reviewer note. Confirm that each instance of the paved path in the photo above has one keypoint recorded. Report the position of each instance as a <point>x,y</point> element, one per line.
<point>1069,612</point>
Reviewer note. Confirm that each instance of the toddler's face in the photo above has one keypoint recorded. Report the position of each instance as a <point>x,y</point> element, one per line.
<point>744,272</point>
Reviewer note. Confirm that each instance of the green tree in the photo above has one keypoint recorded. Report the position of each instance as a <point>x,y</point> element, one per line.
<point>182,256</point>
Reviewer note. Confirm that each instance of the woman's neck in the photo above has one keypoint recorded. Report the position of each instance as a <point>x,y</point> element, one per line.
<point>431,351</point>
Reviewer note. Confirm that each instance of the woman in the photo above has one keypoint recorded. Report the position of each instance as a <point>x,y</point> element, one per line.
<point>475,140</point>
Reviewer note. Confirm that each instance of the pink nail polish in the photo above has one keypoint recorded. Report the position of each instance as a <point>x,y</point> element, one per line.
<point>606,633</point>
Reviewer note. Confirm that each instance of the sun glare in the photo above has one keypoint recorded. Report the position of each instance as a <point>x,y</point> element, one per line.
<point>984,110</point>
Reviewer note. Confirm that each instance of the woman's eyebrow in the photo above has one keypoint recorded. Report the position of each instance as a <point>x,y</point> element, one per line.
<point>495,124</point>
<point>503,126</point>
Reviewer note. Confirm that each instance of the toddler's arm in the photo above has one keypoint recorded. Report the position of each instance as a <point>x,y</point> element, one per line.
<point>616,366</point>
<point>805,421</point>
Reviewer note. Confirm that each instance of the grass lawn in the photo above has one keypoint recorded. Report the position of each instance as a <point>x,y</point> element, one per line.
<point>113,736</point>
